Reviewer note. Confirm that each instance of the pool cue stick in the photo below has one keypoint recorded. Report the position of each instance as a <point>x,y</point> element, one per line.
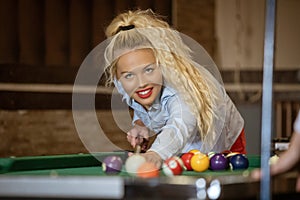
<point>137,149</point>
<point>267,98</point>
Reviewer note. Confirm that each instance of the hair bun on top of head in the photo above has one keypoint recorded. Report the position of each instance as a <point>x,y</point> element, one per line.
<point>125,28</point>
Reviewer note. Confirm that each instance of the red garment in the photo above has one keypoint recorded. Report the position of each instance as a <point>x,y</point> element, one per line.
<point>240,144</point>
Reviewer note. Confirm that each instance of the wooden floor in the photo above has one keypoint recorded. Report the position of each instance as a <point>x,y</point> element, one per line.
<point>52,132</point>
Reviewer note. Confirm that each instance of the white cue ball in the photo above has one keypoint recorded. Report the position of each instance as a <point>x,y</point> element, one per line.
<point>133,163</point>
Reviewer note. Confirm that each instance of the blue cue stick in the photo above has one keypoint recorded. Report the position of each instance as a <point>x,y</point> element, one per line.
<point>267,99</point>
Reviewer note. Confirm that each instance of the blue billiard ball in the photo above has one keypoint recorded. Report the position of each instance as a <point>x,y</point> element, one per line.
<point>239,161</point>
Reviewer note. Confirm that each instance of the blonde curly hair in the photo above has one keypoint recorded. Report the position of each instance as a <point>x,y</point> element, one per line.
<point>195,85</point>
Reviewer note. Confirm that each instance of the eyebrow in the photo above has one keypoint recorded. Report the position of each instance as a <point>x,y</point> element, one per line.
<point>124,72</point>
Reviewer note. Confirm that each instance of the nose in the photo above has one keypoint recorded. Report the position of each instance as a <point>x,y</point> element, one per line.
<point>142,81</point>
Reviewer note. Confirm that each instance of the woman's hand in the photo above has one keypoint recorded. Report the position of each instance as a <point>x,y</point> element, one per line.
<point>139,135</point>
<point>154,158</point>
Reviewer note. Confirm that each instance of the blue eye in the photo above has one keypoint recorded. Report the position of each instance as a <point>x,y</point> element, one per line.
<point>128,76</point>
<point>149,70</point>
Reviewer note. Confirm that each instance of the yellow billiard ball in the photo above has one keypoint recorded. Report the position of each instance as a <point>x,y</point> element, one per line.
<point>200,162</point>
<point>195,151</point>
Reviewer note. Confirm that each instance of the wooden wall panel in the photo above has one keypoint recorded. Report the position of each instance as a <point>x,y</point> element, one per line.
<point>197,20</point>
<point>57,32</point>
<point>144,4</point>
<point>9,50</point>
<point>31,32</point>
<point>80,30</point>
<point>164,8</point>
<point>60,32</point>
<point>103,13</point>
<point>123,5</point>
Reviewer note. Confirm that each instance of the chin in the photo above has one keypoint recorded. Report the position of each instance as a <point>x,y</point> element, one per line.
<point>146,104</point>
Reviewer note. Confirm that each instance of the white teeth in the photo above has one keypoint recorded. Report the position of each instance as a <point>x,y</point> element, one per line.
<point>144,92</point>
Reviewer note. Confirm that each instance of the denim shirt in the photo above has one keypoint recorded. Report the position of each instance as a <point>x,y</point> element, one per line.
<point>176,127</point>
<point>173,121</point>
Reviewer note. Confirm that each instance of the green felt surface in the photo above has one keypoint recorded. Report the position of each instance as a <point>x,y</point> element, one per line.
<point>87,165</point>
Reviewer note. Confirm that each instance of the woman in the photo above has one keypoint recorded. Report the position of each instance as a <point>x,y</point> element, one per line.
<point>170,93</point>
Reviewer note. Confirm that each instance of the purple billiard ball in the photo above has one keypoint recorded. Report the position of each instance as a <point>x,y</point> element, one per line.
<point>112,164</point>
<point>218,162</point>
<point>239,161</point>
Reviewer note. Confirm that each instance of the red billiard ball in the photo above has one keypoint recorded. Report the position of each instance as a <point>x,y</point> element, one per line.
<point>238,161</point>
<point>112,164</point>
<point>218,162</point>
<point>186,159</point>
<point>173,166</point>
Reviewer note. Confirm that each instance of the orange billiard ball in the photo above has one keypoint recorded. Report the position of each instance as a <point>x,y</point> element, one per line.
<point>147,170</point>
<point>200,162</point>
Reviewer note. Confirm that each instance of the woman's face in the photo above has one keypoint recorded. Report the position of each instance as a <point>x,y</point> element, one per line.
<point>140,76</point>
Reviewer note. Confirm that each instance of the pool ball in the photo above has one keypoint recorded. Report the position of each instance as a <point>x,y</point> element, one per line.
<point>173,166</point>
<point>186,159</point>
<point>273,160</point>
<point>239,161</point>
<point>231,154</point>
<point>200,162</point>
<point>210,154</point>
<point>112,164</point>
<point>218,162</point>
<point>147,170</point>
<point>195,151</point>
<point>133,162</point>
<point>226,152</point>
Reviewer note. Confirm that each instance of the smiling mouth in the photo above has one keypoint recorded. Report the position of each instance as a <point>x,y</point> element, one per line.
<point>144,93</point>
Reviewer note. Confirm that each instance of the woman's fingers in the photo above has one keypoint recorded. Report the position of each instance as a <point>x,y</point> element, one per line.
<point>131,140</point>
<point>138,135</point>
<point>134,140</point>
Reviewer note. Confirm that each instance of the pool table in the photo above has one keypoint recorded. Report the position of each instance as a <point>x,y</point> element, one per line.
<point>80,176</point>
